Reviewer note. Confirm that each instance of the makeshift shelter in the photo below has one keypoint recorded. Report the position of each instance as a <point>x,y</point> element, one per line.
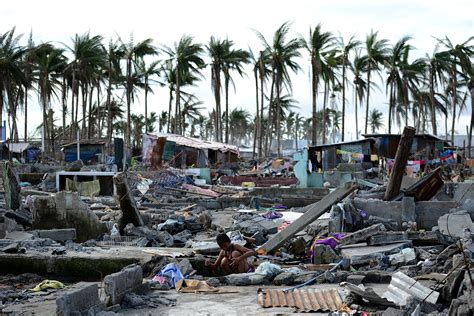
<point>90,151</point>
<point>424,146</point>
<point>329,156</point>
<point>183,151</point>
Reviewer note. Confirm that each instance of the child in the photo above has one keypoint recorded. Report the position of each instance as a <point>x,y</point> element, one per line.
<point>233,257</point>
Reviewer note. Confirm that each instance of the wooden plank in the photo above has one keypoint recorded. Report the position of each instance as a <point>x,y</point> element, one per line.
<point>312,213</point>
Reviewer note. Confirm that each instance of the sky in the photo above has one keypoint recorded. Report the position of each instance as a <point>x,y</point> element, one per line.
<point>166,21</point>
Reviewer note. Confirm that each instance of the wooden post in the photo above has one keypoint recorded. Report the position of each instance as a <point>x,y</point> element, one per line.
<point>401,157</point>
<point>312,213</point>
<point>128,205</point>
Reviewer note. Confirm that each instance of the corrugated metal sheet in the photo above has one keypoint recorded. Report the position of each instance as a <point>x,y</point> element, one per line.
<point>402,287</point>
<point>308,300</point>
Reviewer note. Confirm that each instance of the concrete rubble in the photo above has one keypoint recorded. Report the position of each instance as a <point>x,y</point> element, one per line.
<point>409,254</point>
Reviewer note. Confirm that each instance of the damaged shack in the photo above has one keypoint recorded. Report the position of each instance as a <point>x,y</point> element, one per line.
<point>182,151</point>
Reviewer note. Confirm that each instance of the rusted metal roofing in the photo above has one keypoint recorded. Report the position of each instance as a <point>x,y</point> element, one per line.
<point>308,300</point>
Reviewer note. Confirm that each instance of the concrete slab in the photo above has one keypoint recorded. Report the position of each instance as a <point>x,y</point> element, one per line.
<point>362,253</point>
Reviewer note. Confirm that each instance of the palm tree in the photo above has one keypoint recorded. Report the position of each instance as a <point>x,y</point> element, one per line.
<point>375,120</point>
<point>358,67</point>
<point>233,61</point>
<point>318,45</point>
<point>146,72</point>
<point>50,63</point>
<point>240,121</point>
<point>395,61</point>
<point>282,54</point>
<point>187,61</point>
<point>133,52</point>
<point>458,55</point>
<point>191,111</point>
<point>376,51</point>
<point>162,120</point>
<point>343,59</point>
<point>12,78</point>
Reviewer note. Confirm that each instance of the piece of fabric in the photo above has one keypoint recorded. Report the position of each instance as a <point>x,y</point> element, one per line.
<point>194,286</point>
<point>172,272</point>
<point>272,215</point>
<point>47,284</point>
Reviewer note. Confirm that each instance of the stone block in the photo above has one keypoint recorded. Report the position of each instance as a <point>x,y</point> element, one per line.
<point>454,224</point>
<point>118,284</point>
<point>82,298</point>
<point>66,210</point>
<point>58,234</point>
<point>408,209</point>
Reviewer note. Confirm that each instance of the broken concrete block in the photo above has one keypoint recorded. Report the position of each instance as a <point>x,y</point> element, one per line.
<point>361,235</point>
<point>11,186</point>
<point>66,210</point>
<point>82,298</point>
<point>408,209</point>
<point>387,238</point>
<point>324,254</point>
<point>58,234</point>
<point>116,285</point>
<point>363,254</point>
<point>454,224</point>
<point>128,205</point>
<point>7,225</point>
<point>405,256</point>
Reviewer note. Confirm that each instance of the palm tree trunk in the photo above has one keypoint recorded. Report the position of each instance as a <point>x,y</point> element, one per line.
<point>177,109</point>
<point>343,96</point>
<point>390,108</point>
<point>64,105</point>
<point>368,97</point>
<point>257,115</point>
<point>129,101</point>
<point>260,123</point>
<point>168,130</point>
<point>109,108</point>
<point>146,104</point>
<point>226,108</point>
<point>432,101</point>
<point>85,94</point>
<point>26,114</point>
<point>455,100</point>
<point>89,123</point>
<point>356,97</point>
<point>72,105</point>
<point>268,137</point>
<point>324,110</point>
<point>216,75</point>
<point>278,115</point>
<point>314,91</point>
<point>469,140</point>
<point>99,113</point>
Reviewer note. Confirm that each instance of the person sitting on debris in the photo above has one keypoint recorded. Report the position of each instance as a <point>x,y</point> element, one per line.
<point>233,257</point>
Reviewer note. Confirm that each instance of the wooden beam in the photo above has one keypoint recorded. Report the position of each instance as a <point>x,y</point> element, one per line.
<point>401,157</point>
<point>313,212</point>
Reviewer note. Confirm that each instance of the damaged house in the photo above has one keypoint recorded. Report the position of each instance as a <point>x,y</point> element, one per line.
<point>183,151</point>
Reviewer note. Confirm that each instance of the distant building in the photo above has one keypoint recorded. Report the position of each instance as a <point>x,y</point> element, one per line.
<point>91,151</point>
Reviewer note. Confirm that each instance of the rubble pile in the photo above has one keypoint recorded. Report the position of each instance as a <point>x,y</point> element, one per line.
<point>384,248</point>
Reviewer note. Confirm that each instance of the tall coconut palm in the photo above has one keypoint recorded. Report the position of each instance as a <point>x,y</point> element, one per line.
<point>131,53</point>
<point>147,73</point>
<point>375,120</point>
<point>240,121</point>
<point>396,57</point>
<point>343,59</point>
<point>50,63</point>
<point>234,61</point>
<point>358,67</point>
<point>318,45</point>
<point>283,54</point>
<point>459,55</point>
<point>376,51</point>
<point>190,111</point>
<point>186,59</point>
<point>12,78</point>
